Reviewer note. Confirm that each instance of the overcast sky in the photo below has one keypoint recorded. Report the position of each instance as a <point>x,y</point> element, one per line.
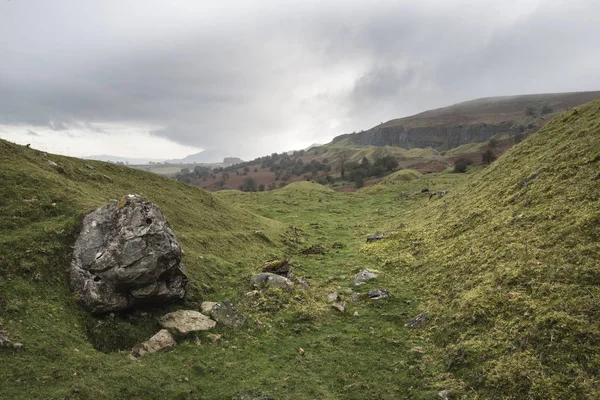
<point>157,78</point>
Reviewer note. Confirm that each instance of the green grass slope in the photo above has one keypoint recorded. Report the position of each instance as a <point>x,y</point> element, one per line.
<point>511,264</point>
<point>43,199</point>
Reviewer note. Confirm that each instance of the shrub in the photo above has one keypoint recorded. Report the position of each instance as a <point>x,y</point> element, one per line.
<point>460,166</point>
<point>487,157</point>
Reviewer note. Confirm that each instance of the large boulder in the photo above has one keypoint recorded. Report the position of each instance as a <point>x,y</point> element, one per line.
<point>126,254</point>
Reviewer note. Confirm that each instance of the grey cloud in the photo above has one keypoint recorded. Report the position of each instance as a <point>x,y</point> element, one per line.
<point>31,133</point>
<point>284,71</point>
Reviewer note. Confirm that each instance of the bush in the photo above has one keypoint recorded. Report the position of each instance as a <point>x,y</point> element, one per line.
<point>487,157</point>
<point>460,166</point>
<point>248,185</point>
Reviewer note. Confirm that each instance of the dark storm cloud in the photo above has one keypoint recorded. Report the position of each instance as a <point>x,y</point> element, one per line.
<point>251,79</point>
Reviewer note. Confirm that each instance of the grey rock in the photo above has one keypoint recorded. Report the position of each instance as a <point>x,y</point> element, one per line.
<point>303,285</point>
<point>186,321</point>
<point>379,294</point>
<point>332,297</point>
<point>444,394</point>
<point>341,306</point>
<point>375,237</point>
<point>363,276</point>
<point>52,163</point>
<point>162,341</point>
<point>207,306</point>
<point>226,314</point>
<point>417,321</point>
<point>269,279</point>
<point>356,297</point>
<point>126,254</point>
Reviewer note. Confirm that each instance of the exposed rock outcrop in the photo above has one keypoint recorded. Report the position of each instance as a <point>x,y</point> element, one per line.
<point>126,254</point>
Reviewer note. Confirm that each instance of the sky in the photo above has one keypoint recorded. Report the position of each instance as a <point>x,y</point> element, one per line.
<point>161,79</point>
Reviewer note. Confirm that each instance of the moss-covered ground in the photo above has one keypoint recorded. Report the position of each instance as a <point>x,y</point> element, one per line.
<point>506,264</point>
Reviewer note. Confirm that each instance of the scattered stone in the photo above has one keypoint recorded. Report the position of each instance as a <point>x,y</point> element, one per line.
<point>341,306</point>
<point>126,254</point>
<point>375,237</point>
<point>333,297</point>
<point>213,337</point>
<point>52,163</point>
<point>108,178</point>
<point>525,181</point>
<point>418,320</point>
<point>89,166</point>
<point>363,276</point>
<point>356,297</point>
<point>444,394</point>
<point>186,321</point>
<point>279,266</point>
<point>226,314</point>
<point>314,249</point>
<point>272,280</point>
<point>337,245</point>
<point>207,306</point>
<point>355,313</point>
<point>162,341</point>
<point>377,294</point>
<point>303,284</point>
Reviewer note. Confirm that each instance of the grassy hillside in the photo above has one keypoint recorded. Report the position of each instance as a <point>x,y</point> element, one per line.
<point>511,267</point>
<point>42,203</point>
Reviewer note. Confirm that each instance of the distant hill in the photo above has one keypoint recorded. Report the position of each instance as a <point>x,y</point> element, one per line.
<point>468,122</point>
<point>204,157</point>
<point>129,160</point>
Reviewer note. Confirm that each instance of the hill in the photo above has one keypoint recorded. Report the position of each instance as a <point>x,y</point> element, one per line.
<point>510,262</point>
<point>471,121</point>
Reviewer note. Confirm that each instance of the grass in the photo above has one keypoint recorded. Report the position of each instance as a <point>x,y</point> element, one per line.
<point>505,264</point>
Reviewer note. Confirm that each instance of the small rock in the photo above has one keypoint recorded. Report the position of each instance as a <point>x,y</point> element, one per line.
<point>162,341</point>
<point>356,297</point>
<point>226,314</point>
<point>379,294</point>
<point>52,163</point>
<point>355,313</point>
<point>89,166</point>
<point>279,266</point>
<point>333,297</point>
<point>341,307</point>
<point>213,337</point>
<point>269,279</point>
<point>418,320</point>
<point>303,284</point>
<point>17,345</point>
<point>186,321</point>
<point>363,276</point>
<point>373,238</point>
<point>207,306</point>
<point>444,394</point>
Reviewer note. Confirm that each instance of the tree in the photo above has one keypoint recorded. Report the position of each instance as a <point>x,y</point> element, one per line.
<point>460,166</point>
<point>248,185</point>
<point>343,158</point>
<point>488,157</point>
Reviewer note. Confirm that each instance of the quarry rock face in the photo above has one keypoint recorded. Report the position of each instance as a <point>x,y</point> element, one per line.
<point>125,255</point>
